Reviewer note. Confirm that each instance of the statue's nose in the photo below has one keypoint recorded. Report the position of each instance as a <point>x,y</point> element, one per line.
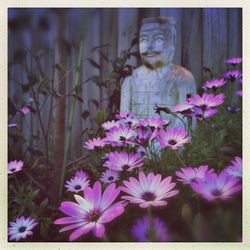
<point>150,44</point>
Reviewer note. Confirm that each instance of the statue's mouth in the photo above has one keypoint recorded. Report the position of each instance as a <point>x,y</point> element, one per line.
<point>151,53</point>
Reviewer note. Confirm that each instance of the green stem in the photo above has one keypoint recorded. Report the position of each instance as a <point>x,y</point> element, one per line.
<point>179,159</point>
<point>71,115</point>
<point>17,182</point>
<point>180,120</point>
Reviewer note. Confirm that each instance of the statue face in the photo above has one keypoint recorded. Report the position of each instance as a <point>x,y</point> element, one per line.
<point>156,48</point>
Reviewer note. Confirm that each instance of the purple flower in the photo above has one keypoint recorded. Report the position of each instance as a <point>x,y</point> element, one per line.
<point>76,184</point>
<point>188,175</point>
<point>153,122</point>
<point>24,110</point>
<point>123,161</point>
<point>232,75</point>
<point>119,136</point>
<point>215,186</point>
<point>145,135</point>
<point>127,118</point>
<point>149,190</point>
<point>214,84</point>
<point>200,114</point>
<point>12,125</point>
<point>184,108</point>
<point>206,101</point>
<point>124,115</point>
<point>239,92</point>
<point>236,168</point>
<point>233,109</point>
<point>110,124</point>
<point>21,228</point>
<point>92,211</point>
<point>81,174</point>
<point>173,138</point>
<point>233,61</point>
<point>15,166</point>
<point>109,176</point>
<point>95,143</point>
<point>142,228</point>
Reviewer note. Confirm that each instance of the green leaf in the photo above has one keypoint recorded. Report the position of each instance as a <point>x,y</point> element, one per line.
<point>100,117</point>
<point>42,85</point>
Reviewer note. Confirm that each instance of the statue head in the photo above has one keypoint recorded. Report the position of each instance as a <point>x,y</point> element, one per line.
<point>157,41</point>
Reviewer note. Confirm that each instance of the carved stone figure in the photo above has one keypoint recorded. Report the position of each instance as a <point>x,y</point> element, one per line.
<point>158,81</point>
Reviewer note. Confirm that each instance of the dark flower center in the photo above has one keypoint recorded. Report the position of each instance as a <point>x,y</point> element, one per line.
<point>22,229</point>
<point>77,187</point>
<point>125,167</point>
<point>93,216</point>
<point>216,192</point>
<point>111,178</point>
<point>203,107</point>
<point>12,170</point>
<point>199,115</point>
<point>214,88</point>
<point>148,196</point>
<point>122,138</point>
<point>172,142</point>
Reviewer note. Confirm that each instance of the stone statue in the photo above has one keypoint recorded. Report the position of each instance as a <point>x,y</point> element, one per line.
<point>158,81</point>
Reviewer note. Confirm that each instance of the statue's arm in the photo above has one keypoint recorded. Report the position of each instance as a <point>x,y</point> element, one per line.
<point>126,95</point>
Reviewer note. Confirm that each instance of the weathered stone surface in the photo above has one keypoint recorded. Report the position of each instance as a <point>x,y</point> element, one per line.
<point>158,81</point>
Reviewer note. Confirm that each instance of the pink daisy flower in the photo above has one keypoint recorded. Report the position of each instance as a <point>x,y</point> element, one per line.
<point>110,124</point>
<point>124,115</point>
<point>173,138</point>
<point>76,184</point>
<point>234,61</point>
<point>215,186</point>
<point>153,122</point>
<point>91,212</point>
<point>12,125</point>
<point>201,114</point>
<point>95,143</point>
<point>206,101</point>
<point>188,175</point>
<point>149,190</point>
<point>236,168</point>
<point>127,118</point>
<point>109,176</point>
<point>184,108</point>
<point>119,136</point>
<point>123,161</point>
<point>21,228</point>
<point>145,135</point>
<point>239,92</point>
<point>81,174</point>
<point>233,75</point>
<point>15,166</point>
<point>214,84</point>
<point>142,228</point>
<point>24,110</point>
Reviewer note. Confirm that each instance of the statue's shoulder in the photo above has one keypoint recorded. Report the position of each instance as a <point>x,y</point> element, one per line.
<point>182,74</point>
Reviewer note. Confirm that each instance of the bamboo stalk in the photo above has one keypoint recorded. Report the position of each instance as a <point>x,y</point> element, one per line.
<point>71,114</point>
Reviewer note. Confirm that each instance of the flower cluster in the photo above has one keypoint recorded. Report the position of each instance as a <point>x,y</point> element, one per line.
<point>211,186</point>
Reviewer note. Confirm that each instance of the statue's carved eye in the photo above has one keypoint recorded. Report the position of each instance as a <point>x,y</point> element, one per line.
<point>143,39</point>
<point>159,38</point>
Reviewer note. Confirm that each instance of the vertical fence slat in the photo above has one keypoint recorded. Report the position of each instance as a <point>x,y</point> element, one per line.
<point>215,43</point>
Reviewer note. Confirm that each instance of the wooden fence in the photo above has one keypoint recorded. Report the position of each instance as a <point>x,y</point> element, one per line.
<point>205,37</point>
